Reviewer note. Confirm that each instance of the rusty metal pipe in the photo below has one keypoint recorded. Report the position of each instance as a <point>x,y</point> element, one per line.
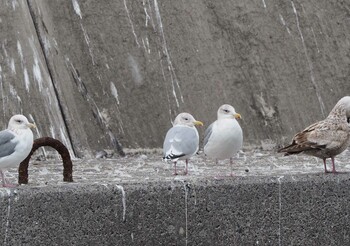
<point>61,149</point>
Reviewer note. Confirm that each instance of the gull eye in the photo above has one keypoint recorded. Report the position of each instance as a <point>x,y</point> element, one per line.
<point>186,119</point>
<point>226,111</point>
<point>19,121</point>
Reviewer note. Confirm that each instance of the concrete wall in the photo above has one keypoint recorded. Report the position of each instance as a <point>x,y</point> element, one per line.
<point>299,210</point>
<point>93,73</point>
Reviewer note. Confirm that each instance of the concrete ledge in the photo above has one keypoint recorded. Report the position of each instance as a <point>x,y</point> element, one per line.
<point>271,200</point>
<point>305,210</point>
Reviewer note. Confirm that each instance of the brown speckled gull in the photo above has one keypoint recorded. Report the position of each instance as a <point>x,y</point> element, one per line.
<point>326,138</point>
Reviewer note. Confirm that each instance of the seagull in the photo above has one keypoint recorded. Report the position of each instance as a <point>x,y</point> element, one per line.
<point>16,142</point>
<point>182,140</point>
<point>224,137</point>
<point>326,138</point>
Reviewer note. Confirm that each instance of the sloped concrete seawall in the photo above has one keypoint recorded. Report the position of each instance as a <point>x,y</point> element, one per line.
<point>96,74</point>
<point>309,210</point>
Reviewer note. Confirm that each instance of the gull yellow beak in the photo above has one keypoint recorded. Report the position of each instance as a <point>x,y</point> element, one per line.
<point>237,116</point>
<point>198,123</point>
<point>30,125</point>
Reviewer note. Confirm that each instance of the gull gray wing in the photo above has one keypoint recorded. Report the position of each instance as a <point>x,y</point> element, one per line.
<point>180,141</point>
<point>7,147</point>
<point>207,133</point>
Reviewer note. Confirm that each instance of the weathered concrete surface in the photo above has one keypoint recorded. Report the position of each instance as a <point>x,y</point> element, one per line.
<point>118,69</point>
<point>25,83</point>
<point>137,201</point>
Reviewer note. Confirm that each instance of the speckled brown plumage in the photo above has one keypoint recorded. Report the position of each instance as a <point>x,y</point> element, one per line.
<point>326,138</point>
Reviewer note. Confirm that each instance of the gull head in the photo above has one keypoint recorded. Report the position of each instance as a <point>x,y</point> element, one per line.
<point>186,119</point>
<point>19,121</point>
<point>345,102</point>
<point>342,107</point>
<point>226,111</point>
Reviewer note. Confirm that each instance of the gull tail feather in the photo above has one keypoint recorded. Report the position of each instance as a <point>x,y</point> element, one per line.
<point>296,149</point>
<point>173,157</point>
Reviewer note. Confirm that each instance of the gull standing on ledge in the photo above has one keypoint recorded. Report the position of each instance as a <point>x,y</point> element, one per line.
<point>224,137</point>
<point>326,138</point>
<point>182,140</point>
<point>16,142</point>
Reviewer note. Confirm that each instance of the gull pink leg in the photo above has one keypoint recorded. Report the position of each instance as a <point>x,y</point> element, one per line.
<point>4,183</point>
<point>325,166</point>
<point>231,164</point>
<point>333,165</point>
<point>3,179</point>
<point>186,170</point>
<point>175,173</point>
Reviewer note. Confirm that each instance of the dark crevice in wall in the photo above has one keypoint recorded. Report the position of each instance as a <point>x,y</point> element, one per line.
<point>95,111</point>
<point>37,29</point>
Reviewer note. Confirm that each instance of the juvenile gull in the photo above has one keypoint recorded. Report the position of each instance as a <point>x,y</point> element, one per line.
<point>224,137</point>
<point>182,140</point>
<point>15,144</point>
<point>326,138</point>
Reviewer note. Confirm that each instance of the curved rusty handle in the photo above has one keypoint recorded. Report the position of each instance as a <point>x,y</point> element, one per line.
<point>61,149</point>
